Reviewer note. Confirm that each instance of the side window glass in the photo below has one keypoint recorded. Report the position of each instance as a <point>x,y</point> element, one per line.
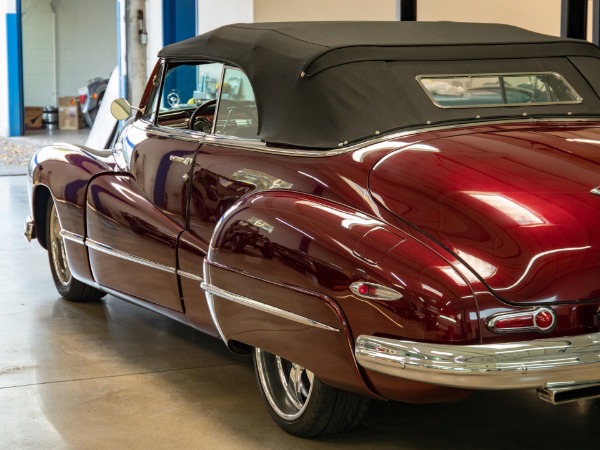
<point>237,115</point>
<point>188,96</point>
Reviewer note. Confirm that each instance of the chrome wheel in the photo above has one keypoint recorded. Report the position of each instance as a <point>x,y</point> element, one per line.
<point>57,250</point>
<point>287,386</point>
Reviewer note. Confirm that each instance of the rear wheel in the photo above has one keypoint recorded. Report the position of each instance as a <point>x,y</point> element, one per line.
<point>300,403</point>
<point>68,287</point>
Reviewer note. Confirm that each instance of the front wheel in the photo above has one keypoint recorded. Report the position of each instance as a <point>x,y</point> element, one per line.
<point>300,403</point>
<point>68,287</point>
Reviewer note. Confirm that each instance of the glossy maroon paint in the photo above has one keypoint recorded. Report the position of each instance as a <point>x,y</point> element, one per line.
<point>295,231</point>
<point>63,172</point>
<point>513,202</point>
<point>118,218</point>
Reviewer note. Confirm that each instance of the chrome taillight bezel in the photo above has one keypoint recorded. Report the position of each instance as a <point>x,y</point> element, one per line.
<point>493,322</point>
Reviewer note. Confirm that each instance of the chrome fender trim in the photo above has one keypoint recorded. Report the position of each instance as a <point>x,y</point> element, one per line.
<point>264,307</point>
<point>73,237</point>
<point>516,365</point>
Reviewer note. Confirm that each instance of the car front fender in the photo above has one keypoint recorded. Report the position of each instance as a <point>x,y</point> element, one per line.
<point>63,171</point>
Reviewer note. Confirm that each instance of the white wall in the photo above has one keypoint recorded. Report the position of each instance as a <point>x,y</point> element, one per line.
<point>38,53</point>
<point>87,47</point>
<point>215,13</point>
<point>154,27</point>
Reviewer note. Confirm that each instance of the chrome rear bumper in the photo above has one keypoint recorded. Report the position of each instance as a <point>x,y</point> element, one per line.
<point>516,365</point>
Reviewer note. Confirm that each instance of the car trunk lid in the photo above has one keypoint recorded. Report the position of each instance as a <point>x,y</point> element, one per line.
<point>518,204</point>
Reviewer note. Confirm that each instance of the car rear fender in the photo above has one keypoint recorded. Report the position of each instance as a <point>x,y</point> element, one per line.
<point>288,289</point>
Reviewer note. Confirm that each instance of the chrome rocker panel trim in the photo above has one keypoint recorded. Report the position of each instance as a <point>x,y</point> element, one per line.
<point>264,307</point>
<point>515,365</point>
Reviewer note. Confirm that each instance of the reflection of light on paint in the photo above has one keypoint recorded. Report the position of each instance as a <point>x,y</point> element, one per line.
<point>481,267</point>
<point>350,219</point>
<point>293,227</point>
<point>132,196</point>
<point>360,155</point>
<point>432,290</point>
<point>517,212</point>
<point>538,256</point>
<point>451,273</point>
<point>584,141</point>
<point>349,223</point>
<point>314,178</point>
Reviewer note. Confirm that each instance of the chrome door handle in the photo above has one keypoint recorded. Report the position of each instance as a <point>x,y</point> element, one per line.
<point>179,159</point>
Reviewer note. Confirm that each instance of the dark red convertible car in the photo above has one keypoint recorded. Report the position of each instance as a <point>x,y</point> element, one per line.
<point>404,211</point>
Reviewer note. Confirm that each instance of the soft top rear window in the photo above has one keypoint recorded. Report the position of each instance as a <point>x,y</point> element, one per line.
<point>498,89</point>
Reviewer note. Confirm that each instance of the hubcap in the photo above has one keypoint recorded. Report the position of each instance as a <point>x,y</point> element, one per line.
<point>57,250</point>
<point>287,385</point>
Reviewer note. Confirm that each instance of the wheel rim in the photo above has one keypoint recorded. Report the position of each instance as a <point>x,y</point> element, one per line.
<point>287,385</point>
<point>57,250</point>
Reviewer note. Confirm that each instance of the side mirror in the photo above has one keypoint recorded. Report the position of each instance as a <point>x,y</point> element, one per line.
<point>120,109</point>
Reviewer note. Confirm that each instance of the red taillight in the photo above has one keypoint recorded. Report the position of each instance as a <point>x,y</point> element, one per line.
<point>514,322</point>
<point>544,319</point>
<point>363,289</point>
<point>82,99</point>
<point>536,319</point>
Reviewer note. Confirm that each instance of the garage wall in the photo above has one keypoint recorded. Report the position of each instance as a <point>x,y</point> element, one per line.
<point>215,13</point>
<point>542,16</point>
<point>38,53</point>
<point>277,10</point>
<point>154,20</point>
<point>86,42</point>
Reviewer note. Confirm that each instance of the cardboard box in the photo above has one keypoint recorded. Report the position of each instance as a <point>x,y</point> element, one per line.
<point>69,114</point>
<point>33,117</point>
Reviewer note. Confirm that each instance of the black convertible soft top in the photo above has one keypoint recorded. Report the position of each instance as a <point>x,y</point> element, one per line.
<point>326,84</point>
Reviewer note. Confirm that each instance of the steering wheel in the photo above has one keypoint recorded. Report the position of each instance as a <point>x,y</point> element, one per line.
<point>206,124</point>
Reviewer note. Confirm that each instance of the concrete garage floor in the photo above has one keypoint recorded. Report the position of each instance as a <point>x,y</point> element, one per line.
<point>113,375</point>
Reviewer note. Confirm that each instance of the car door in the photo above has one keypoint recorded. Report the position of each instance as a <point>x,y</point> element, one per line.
<point>135,219</point>
<point>226,168</point>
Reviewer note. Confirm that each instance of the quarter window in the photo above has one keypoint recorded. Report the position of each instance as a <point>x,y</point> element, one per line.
<point>236,115</point>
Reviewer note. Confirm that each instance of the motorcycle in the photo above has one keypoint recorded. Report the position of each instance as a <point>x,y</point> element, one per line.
<point>90,98</point>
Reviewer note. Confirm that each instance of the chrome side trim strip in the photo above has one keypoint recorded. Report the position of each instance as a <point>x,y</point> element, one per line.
<point>127,256</point>
<point>260,146</point>
<point>264,307</point>
<point>74,237</point>
<point>188,275</point>
<point>514,365</point>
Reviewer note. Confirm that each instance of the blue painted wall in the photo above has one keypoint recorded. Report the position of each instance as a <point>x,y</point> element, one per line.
<point>179,20</point>
<point>15,72</point>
